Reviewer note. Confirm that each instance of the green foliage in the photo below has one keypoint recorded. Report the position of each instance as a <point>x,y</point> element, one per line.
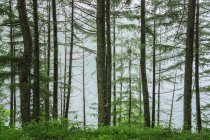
<point>62,130</point>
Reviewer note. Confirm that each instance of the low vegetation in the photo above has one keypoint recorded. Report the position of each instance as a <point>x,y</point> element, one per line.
<point>63,130</point>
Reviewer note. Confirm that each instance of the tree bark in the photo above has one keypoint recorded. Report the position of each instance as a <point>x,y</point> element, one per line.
<point>36,95</point>
<point>108,65</point>
<point>197,86</point>
<point>25,63</point>
<point>188,65</point>
<point>83,86</point>
<point>143,67</point>
<point>114,69</point>
<point>12,90</point>
<point>55,82</point>
<point>130,86</point>
<point>154,72</point>
<point>101,57</point>
<point>65,69</point>
<point>47,98</point>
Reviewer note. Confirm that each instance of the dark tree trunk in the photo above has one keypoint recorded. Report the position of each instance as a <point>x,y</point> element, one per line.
<point>140,94</point>
<point>154,73</point>
<point>47,97</point>
<point>108,65</point>
<point>83,86</point>
<point>61,89</point>
<point>65,68</point>
<point>198,111</point>
<point>130,86</point>
<point>70,61</point>
<point>55,82</point>
<point>121,88</point>
<point>36,95</point>
<point>114,69</point>
<point>143,66</point>
<point>188,65</point>
<point>25,63</point>
<point>12,89</point>
<point>101,63</point>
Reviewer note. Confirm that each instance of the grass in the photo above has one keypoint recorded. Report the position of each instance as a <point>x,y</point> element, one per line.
<point>57,130</point>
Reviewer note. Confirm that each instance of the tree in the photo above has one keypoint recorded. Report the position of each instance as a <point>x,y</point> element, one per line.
<point>36,95</point>
<point>188,65</point>
<point>55,82</point>
<point>197,87</point>
<point>154,71</point>
<point>47,98</point>
<point>114,67</point>
<point>70,60</point>
<point>143,66</point>
<point>108,64</point>
<point>12,69</point>
<point>101,57</point>
<point>25,63</point>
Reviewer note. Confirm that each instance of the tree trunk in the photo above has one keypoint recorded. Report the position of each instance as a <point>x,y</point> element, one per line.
<point>154,73</point>
<point>70,61</point>
<point>55,82</point>
<point>159,80</point>
<point>61,89</point>
<point>130,86</point>
<point>198,111</point>
<point>172,102</point>
<point>12,70</point>
<point>114,69</point>
<point>36,95</point>
<point>83,86</point>
<point>188,65</point>
<point>143,66</point>
<point>121,88</point>
<point>25,63</point>
<point>65,68</point>
<point>101,68</point>
<point>47,98</point>
<point>108,65</point>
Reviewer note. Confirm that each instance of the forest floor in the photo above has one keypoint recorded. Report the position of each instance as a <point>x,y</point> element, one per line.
<point>55,130</point>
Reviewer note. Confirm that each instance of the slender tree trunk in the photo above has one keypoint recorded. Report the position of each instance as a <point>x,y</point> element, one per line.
<point>61,89</point>
<point>172,102</point>
<point>47,98</point>
<point>188,65</point>
<point>140,94</point>
<point>114,69</point>
<point>70,61</point>
<point>121,88</point>
<point>25,63</point>
<point>83,86</point>
<point>65,68</point>
<point>198,111</point>
<point>154,73</point>
<point>108,64</point>
<point>12,70</point>
<point>15,104</point>
<point>130,90</point>
<point>143,66</point>
<point>159,80</point>
<point>101,64</point>
<point>36,95</point>
<point>55,82</point>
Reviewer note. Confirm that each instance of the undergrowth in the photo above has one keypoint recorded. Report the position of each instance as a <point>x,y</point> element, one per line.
<point>63,130</point>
